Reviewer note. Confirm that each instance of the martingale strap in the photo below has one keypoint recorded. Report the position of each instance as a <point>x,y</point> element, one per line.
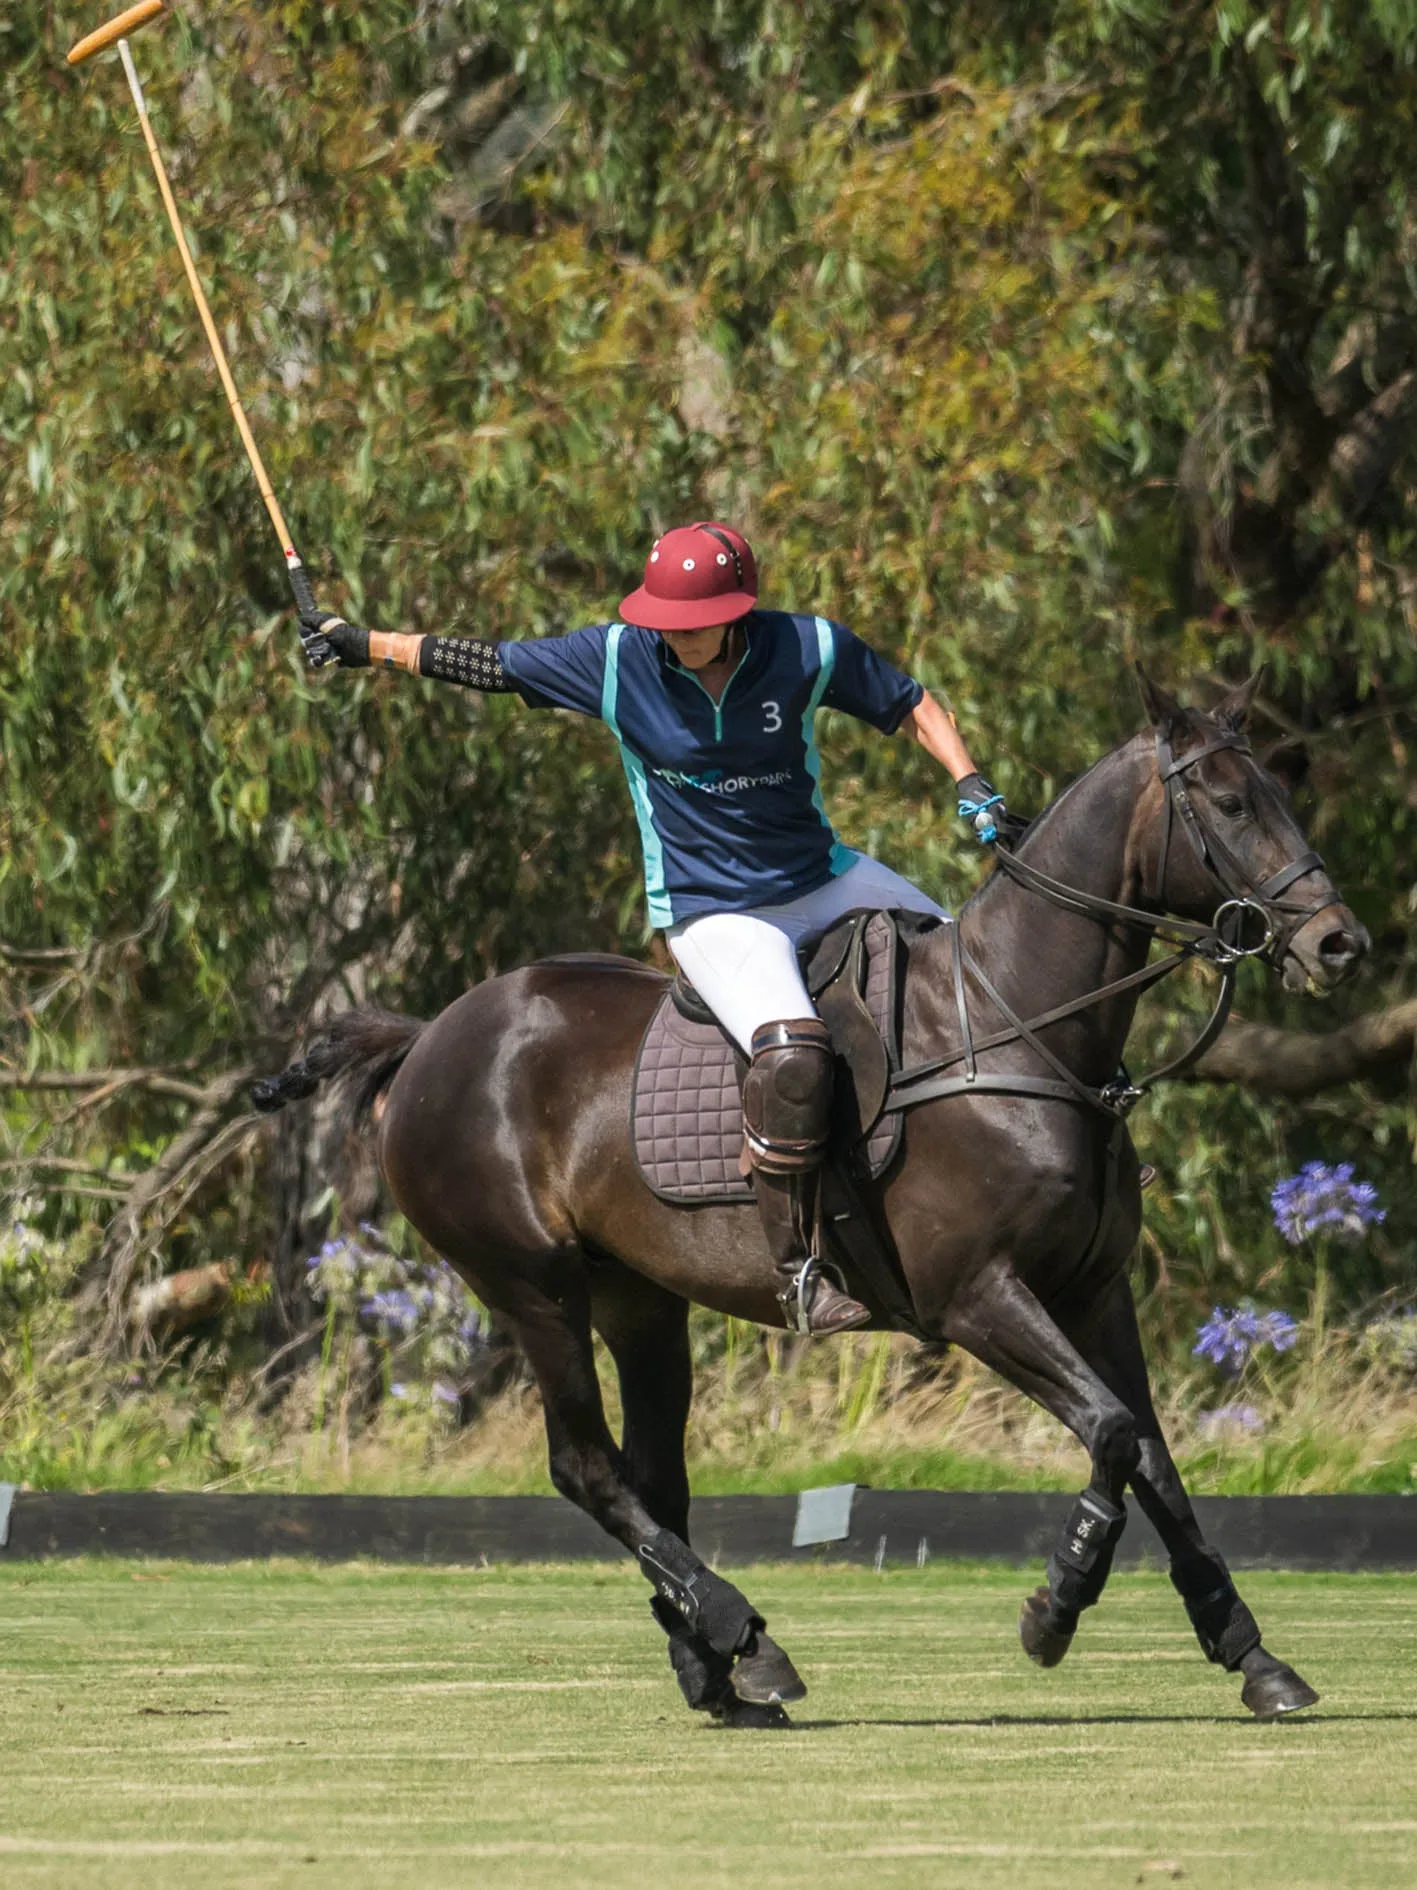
<point>916,1084</point>
<point>926,1082</point>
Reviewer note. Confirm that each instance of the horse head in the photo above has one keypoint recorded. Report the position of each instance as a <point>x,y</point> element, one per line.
<point>1223,844</point>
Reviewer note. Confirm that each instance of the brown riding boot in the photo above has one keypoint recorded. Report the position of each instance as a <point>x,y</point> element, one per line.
<point>786,1120</point>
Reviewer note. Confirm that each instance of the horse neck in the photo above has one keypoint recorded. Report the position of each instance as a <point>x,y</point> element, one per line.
<point>1039,955</point>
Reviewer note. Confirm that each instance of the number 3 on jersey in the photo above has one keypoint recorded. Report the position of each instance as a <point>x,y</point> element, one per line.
<point>774,718</point>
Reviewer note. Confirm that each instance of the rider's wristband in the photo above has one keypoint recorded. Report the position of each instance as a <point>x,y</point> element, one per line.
<point>465,660</point>
<point>394,649</point>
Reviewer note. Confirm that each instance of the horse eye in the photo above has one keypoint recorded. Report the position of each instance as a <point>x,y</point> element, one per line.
<point>1231,806</point>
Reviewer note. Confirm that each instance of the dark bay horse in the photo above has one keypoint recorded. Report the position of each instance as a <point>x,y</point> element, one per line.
<point>503,1132</point>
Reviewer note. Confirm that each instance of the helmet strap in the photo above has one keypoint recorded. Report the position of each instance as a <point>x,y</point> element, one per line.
<point>729,547</point>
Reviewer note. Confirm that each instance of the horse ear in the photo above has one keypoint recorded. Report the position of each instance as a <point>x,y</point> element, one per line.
<point>1234,711</point>
<point>1288,762</point>
<point>1163,708</point>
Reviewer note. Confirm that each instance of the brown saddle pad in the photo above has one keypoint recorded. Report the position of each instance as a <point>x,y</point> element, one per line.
<point>687,1110</point>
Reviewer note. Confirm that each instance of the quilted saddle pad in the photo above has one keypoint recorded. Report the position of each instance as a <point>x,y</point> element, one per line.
<point>687,1111</point>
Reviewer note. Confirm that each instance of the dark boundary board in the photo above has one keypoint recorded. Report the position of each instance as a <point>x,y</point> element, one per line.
<point>885,1526</point>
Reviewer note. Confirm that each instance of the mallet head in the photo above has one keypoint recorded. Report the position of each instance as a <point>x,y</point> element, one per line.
<point>115,30</point>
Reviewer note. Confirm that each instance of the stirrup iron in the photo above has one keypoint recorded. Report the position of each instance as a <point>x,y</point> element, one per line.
<point>797,1296</point>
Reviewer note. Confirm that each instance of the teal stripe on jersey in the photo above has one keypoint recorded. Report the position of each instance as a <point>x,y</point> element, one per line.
<point>661,913</point>
<point>842,858</point>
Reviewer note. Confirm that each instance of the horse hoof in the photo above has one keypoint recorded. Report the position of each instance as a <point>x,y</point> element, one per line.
<point>1042,1642</point>
<point>749,1716</point>
<point>766,1677</point>
<point>1276,1692</point>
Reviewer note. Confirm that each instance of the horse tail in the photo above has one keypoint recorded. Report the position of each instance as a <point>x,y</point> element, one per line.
<point>364,1048</point>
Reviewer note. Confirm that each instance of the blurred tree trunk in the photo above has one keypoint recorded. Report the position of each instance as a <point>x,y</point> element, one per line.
<point>1275,1062</point>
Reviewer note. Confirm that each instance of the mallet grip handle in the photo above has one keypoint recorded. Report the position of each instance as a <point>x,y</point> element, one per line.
<point>300,584</point>
<point>108,35</point>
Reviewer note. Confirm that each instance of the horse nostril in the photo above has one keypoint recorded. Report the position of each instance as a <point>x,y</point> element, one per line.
<point>1341,948</point>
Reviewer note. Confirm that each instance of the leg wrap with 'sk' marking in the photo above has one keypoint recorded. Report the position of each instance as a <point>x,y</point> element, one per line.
<point>712,1607</point>
<point>1078,1568</point>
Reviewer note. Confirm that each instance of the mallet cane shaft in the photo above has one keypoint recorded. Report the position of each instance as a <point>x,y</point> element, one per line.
<point>106,36</point>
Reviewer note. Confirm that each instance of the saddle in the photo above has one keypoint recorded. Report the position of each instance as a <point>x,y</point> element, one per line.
<point>687,1112</point>
<point>687,1108</point>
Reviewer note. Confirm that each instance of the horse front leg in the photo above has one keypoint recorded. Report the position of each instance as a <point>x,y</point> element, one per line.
<point>1227,1631</point>
<point>999,1320</point>
<point>588,1468</point>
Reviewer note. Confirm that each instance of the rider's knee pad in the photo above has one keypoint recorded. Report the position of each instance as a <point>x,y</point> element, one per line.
<point>787,1095</point>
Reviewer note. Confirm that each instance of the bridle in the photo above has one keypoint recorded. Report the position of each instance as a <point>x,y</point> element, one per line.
<point>1245,895</point>
<point>1221,944</point>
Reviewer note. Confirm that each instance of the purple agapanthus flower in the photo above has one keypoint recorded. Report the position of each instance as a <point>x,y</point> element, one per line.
<point>1239,1417</point>
<point>446,1393</point>
<point>1324,1200</point>
<point>1227,1338</point>
<point>392,1308</point>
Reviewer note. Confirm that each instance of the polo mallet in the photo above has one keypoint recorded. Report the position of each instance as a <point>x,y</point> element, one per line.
<point>96,42</point>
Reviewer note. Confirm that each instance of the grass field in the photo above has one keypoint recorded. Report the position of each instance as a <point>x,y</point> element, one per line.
<point>373,1726</point>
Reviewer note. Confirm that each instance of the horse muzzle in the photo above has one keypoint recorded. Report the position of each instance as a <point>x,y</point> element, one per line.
<point>1326,950</point>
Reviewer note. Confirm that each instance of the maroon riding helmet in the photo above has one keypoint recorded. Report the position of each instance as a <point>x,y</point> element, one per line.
<point>696,576</point>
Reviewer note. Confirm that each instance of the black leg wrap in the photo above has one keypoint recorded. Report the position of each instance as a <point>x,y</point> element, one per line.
<point>705,1678</point>
<point>712,1607</point>
<point>1224,1626</point>
<point>1078,1568</point>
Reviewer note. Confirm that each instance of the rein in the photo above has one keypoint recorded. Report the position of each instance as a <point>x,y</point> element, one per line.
<point>1219,944</point>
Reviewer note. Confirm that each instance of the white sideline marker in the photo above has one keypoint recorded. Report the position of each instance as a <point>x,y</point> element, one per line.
<point>823,1515</point>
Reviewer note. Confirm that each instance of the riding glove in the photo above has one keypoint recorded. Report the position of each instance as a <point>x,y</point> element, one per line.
<point>329,639</point>
<point>982,806</point>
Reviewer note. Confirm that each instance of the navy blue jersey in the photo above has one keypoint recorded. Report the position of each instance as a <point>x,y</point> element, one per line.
<point>727,794</point>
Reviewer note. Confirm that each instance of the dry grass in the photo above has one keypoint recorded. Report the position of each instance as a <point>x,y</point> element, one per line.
<point>771,1413</point>
<point>774,1412</point>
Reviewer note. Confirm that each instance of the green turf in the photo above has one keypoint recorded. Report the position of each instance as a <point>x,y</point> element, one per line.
<point>284,1725</point>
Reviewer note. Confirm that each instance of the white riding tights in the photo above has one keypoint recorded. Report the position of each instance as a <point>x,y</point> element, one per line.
<point>744,964</point>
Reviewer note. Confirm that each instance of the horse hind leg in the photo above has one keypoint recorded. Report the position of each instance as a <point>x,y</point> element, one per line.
<point>647,1331</point>
<point>1006,1328</point>
<point>588,1468</point>
<point>1227,1631</point>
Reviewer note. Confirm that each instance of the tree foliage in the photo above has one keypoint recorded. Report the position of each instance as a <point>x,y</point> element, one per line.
<point>1026,339</point>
